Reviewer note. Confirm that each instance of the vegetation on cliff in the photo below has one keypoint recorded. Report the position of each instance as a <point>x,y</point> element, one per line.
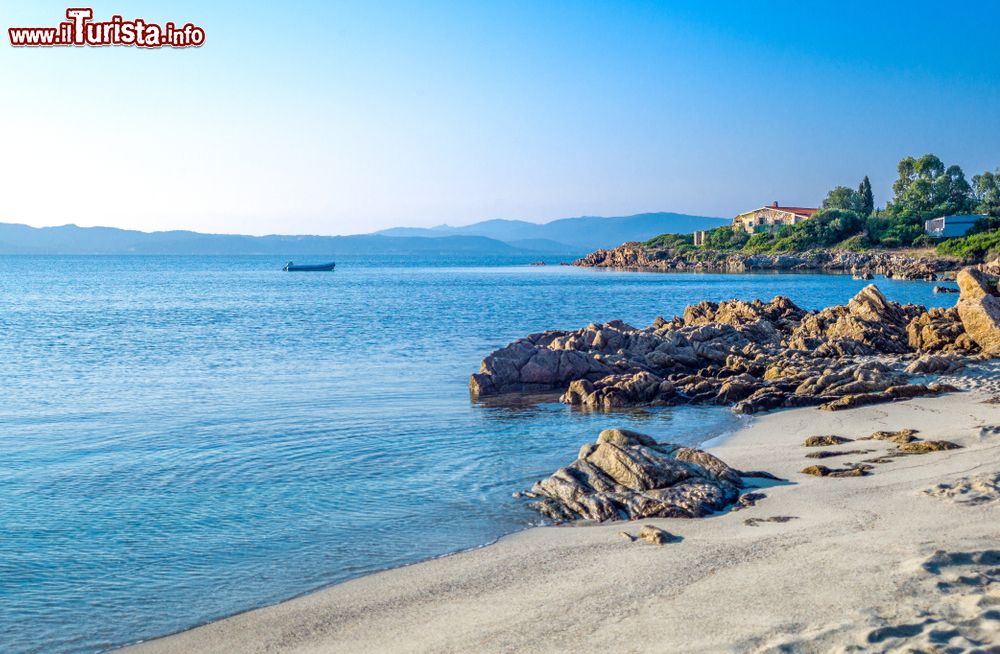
<point>982,241</point>
<point>848,220</point>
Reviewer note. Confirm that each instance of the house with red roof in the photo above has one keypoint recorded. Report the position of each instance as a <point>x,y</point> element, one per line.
<point>769,219</point>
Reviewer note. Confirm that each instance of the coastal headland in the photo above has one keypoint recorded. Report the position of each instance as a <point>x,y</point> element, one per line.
<point>903,264</point>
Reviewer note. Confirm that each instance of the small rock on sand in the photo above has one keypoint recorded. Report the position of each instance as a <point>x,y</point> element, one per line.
<point>747,500</point>
<point>923,447</point>
<point>825,441</point>
<point>901,436</point>
<point>753,522</point>
<point>656,536</point>
<point>826,454</point>
<point>823,471</point>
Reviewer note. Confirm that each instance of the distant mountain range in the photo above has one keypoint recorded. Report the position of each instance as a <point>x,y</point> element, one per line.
<point>582,233</point>
<point>567,237</point>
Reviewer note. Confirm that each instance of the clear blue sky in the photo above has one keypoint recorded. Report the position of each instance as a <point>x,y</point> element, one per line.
<point>354,116</point>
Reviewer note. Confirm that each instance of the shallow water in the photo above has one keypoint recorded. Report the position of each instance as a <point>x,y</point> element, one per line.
<point>183,438</point>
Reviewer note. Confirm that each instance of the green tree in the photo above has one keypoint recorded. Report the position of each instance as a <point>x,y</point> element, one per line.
<point>867,199</point>
<point>843,198</point>
<point>926,188</point>
<point>986,189</point>
<point>915,176</point>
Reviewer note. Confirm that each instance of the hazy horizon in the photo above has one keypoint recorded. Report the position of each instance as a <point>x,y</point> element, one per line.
<point>542,221</point>
<point>347,119</point>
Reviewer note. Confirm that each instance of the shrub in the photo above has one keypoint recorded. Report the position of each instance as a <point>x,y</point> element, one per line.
<point>725,238</point>
<point>856,243</point>
<point>671,241</point>
<point>759,242</point>
<point>784,244</point>
<point>975,246</point>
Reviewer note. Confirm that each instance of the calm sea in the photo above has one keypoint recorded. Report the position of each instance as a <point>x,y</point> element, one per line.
<point>182,438</point>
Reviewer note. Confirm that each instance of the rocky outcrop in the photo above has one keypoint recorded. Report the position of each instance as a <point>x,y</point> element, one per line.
<point>979,309</point>
<point>756,356</point>
<point>862,265</point>
<point>629,476</point>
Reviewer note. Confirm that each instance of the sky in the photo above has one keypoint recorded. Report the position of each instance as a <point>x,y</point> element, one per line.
<point>348,117</point>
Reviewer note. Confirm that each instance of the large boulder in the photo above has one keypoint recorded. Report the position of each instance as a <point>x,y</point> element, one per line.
<point>939,330</point>
<point>979,309</point>
<point>628,476</point>
<point>974,284</point>
<point>642,388</point>
<point>871,304</point>
<point>937,364</point>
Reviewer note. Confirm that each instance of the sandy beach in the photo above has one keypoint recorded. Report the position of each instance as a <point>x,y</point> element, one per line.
<point>899,559</point>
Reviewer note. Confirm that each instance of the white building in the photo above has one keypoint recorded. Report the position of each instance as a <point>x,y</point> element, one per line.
<point>950,226</point>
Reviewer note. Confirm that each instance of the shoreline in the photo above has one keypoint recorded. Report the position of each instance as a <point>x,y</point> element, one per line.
<point>548,588</point>
<point>713,439</point>
<point>906,264</point>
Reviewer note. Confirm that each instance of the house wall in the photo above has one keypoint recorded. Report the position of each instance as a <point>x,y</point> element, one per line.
<point>953,229</point>
<point>765,219</point>
<point>950,226</point>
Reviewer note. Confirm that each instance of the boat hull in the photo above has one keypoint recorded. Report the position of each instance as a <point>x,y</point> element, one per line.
<point>325,267</point>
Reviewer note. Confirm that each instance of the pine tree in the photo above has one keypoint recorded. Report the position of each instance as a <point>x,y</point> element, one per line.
<point>867,200</point>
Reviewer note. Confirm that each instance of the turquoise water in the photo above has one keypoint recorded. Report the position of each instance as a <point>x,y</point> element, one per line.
<point>185,438</point>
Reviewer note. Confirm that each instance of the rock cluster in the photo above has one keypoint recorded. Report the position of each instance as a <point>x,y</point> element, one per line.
<point>755,356</point>
<point>905,440</point>
<point>629,476</point>
<point>862,265</point>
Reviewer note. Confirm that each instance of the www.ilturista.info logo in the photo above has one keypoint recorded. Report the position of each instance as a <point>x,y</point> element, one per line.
<point>81,30</point>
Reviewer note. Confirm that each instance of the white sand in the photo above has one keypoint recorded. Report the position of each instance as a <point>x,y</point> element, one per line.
<point>846,575</point>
